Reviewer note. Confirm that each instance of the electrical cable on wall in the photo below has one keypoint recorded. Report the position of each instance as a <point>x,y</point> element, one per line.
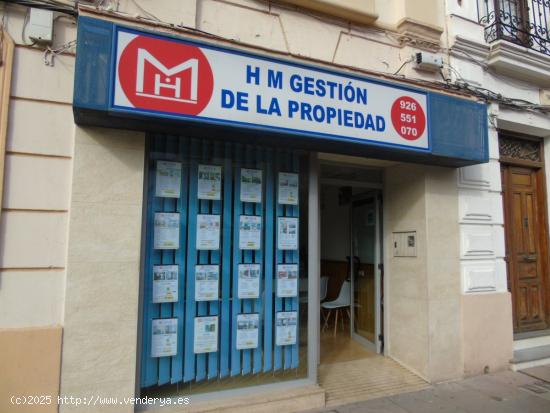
<point>50,54</point>
<point>406,62</point>
<point>459,86</point>
<point>47,5</point>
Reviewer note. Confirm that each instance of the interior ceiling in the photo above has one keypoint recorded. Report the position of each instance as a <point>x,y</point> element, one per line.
<point>358,161</point>
<point>350,173</point>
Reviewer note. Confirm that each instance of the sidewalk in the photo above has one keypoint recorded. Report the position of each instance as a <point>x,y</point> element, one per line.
<point>504,392</point>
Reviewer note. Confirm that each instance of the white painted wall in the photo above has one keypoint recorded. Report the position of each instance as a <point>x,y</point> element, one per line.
<point>481,219</point>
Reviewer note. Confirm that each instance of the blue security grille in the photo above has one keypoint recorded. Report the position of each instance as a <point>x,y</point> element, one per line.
<point>186,366</point>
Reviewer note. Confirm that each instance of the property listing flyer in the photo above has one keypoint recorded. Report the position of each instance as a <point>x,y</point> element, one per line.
<point>285,328</point>
<point>287,280</point>
<point>168,179</point>
<point>249,281</point>
<point>210,182</point>
<point>206,335</point>
<point>208,232</point>
<point>287,233</point>
<point>288,188</point>
<point>251,185</point>
<point>165,283</point>
<point>166,231</point>
<point>165,337</point>
<point>250,232</point>
<point>247,331</point>
<point>207,282</point>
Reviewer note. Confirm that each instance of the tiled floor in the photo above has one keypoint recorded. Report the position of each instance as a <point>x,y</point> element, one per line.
<point>350,373</point>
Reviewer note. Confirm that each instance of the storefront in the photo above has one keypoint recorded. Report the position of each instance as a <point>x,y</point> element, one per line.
<point>226,295</point>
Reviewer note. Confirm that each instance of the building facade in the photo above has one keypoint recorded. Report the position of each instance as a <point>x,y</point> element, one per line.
<point>171,231</point>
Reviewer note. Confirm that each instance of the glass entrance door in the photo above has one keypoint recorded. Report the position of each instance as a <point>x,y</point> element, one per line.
<point>365,269</point>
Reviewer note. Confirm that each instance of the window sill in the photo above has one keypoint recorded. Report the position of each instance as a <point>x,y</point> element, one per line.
<point>519,62</point>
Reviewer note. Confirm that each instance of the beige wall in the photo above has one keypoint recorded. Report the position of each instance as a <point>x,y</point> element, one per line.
<point>423,292</point>
<point>34,219</point>
<point>35,205</point>
<point>29,360</point>
<point>101,302</point>
<point>405,293</point>
<point>488,332</point>
<point>381,13</point>
<point>443,274</point>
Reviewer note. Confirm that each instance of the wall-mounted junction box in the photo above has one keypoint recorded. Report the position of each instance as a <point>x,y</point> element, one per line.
<point>404,244</point>
<point>40,26</point>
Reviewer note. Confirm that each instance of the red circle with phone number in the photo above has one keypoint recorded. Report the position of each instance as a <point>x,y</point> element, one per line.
<point>408,118</point>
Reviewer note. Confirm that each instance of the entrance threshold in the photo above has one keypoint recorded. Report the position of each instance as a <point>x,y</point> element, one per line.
<point>349,372</point>
<point>531,349</point>
<point>531,334</point>
<point>365,379</point>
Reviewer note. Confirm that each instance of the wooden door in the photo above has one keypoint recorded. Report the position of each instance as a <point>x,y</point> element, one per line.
<point>526,255</point>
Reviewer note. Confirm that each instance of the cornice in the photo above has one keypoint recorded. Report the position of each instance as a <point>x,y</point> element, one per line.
<point>466,46</point>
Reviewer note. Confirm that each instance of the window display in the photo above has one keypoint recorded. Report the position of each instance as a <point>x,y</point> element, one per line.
<point>221,262</point>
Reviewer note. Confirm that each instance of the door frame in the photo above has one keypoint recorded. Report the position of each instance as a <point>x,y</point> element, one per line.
<point>376,195</point>
<point>542,207</point>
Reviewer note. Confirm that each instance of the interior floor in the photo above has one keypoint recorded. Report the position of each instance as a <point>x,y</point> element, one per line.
<point>341,347</point>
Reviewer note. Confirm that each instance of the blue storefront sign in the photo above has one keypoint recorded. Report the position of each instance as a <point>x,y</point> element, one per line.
<point>134,79</point>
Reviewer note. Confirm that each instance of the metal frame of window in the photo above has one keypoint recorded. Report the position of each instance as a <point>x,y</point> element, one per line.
<point>523,22</point>
<point>170,369</point>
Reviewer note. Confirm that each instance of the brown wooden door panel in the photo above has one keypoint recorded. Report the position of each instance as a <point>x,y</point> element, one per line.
<point>529,226</point>
<point>521,179</point>
<point>521,304</point>
<point>535,300</point>
<point>527,271</point>
<point>525,246</point>
<point>516,208</point>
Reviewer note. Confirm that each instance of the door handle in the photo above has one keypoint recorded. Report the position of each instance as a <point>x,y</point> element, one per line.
<point>529,258</point>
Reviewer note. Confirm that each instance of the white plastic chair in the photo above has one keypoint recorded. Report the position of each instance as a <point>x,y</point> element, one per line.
<point>343,301</point>
<point>323,286</point>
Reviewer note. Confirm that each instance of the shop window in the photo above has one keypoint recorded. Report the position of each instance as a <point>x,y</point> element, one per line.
<point>225,251</point>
